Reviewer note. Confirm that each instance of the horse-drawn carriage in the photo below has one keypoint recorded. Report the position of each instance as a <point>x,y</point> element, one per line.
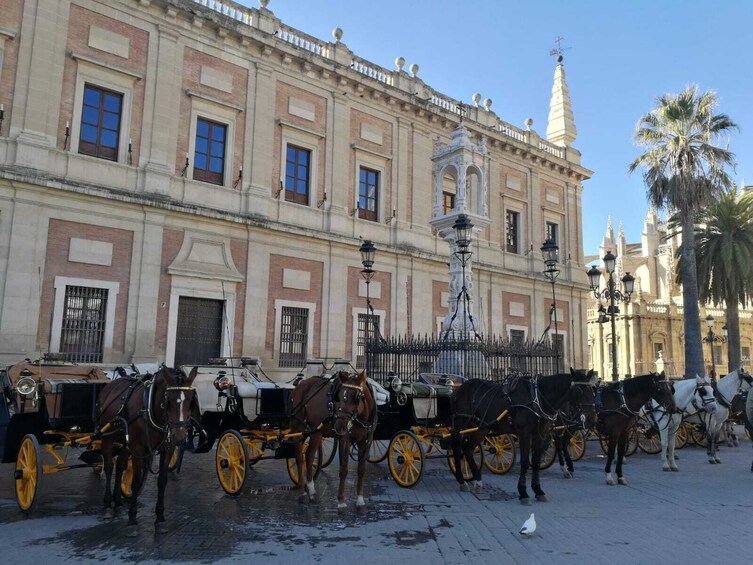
<point>48,406</point>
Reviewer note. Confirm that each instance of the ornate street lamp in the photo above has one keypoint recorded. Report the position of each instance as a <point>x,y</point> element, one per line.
<point>611,294</point>
<point>711,338</point>
<point>550,252</point>
<point>463,230</point>
<point>368,251</point>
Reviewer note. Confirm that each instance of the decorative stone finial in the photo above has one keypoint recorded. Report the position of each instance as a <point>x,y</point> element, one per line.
<point>400,63</point>
<point>414,69</point>
<point>337,34</point>
<point>528,123</point>
<point>476,99</point>
<point>488,104</point>
<point>264,3</point>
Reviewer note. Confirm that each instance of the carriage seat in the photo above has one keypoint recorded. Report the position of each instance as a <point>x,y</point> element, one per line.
<point>251,389</point>
<point>381,394</point>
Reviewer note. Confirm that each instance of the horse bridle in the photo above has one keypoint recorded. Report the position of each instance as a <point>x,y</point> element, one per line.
<point>700,389</point>
<point>351,415</point>
<point>169,424</point>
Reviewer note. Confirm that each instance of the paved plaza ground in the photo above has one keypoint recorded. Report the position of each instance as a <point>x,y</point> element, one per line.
<point>703,514</point>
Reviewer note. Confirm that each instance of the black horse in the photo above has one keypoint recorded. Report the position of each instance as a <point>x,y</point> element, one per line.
<point>618,405</point>
<point>525,407</point>
<point>568,423</point>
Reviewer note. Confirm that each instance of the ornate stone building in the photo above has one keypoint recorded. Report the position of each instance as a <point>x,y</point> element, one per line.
<point>185,179</point>
<point>650,327</point>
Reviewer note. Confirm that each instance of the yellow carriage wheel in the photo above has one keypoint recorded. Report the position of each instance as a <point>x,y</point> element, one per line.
<point>329,448</point>
<point>500,453</point>
<point>173,457</point>
<point>378,451</point>
<point>632,443</point>
<point>293,468</point>
<point>698,434</point>
<point>548,455</point>
<point>126,479</point>
<point>255,450</point>
<point>28,472</point>
<point>231,462</point>
<point>576,447</point>
<point>649,440</point>
<point>478,457</point>
<point>405,458</point>
<point>681,437</point>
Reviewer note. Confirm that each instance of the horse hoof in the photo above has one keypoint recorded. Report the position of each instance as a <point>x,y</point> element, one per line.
<point>342,508</point>
<point>675,469</point>
<point>478,487</point>
<point>314,499</point>
<point>526,501</point>
<point>541,498</point>
<point>303,498</point>
<point>568,475</point>
<point>109,514</point>
<point>712,462</point>
<point>160,527</point>
<point>666,469</point>
<point>131,531</point>
<point>464,487</point>
<point>621,481</point>
<point>717,460</point>
<point>611,482</point>
<point>361,509</point>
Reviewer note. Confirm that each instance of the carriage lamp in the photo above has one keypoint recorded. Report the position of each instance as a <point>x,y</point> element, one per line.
<point>610,295</point>
<point>395,383</point>
<point>550,252</point>
<point>26,383</point>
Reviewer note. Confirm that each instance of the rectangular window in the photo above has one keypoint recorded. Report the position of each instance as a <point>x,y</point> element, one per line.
<point>297,174</point>
<point>717,351</point>
<point>658,348</point>
<point>552,233</point>
<point>368,326</point>
<point>448,202</point>
<point>294,324</point>
<point>209,154</point>
<point>100,123</point>
<point>517,337</point>
<point>745,355</point>
<point>368,194</point>
<point>512,231</point>
<point>83,328</point>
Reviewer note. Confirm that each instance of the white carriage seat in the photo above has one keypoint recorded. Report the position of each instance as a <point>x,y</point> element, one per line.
<point>206,393</point>
<point>381,394</point>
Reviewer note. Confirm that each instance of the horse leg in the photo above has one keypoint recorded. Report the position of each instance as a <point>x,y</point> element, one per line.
<point>561,442</point>
<point>315,444</point>
<point>344,453</point>
<point>664,439</point>
<point>160,526</point>
<point>139,464</point>
<point>671,432</point>
<point>611,445</point>
<point>469,446</point>
<point>539,443</point>
<point>301,467</point>
<point>622,442</point>
<point>524,441</point>
<point>457,444</point>
<point>107,465</point>
<point>120,467</point>
<point>363,450</point>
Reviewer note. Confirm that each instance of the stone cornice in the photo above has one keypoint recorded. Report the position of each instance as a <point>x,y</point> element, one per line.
<point>115,68</point>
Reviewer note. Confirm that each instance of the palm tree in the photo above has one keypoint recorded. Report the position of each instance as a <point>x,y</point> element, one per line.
<point>683,170</point>
<point>724,259</point>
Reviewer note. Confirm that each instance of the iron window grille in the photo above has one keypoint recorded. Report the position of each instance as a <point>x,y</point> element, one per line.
<point>100,123</point>
<point>368,325</point>
<point>83,330</point>
<point>294,324</point>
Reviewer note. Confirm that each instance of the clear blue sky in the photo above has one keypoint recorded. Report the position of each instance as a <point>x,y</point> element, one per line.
<point>622,54</point>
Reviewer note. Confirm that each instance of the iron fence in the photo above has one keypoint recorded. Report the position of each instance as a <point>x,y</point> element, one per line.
<point>490,357</point>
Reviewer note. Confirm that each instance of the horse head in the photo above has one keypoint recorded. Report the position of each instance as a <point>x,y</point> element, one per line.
<point>703,397</point>
<point>583,395</point>
<point>661,391</point>
<point>178,397</point>
<point>350,395</point>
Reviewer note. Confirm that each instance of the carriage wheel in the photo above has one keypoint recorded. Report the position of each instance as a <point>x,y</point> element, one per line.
<point>649,440</point>
<point>681,437</point>
<point>576,447</point>
<point>28,472</point>
<point>500,453</point>
<point>478,457</point>
<point>231,462</point>
<point>698,433</point>
<point>175,455</point>
<point>255,450</point>
<point>126,480</point>
<point>632,443</point>
<point>329,448</point>
<point>405,458</point>
<point>548,455</point>
<point>377,451</point>
<point>293,468</point>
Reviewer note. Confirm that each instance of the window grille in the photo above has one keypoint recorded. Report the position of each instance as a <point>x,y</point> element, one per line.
<point>83,331</point>
<point>368,327</point>
<point>294,324</point>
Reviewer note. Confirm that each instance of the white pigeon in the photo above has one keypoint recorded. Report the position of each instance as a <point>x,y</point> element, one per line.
<point>529,526</point>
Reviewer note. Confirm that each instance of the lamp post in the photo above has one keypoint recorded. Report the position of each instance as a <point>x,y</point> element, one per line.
<point>368,251</point>
<point>711,338</point>
<point>550,252</point>
<point>463,230</point>
<point>611,294</point>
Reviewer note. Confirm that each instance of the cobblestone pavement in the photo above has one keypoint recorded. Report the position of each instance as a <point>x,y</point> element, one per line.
<point>701,514</point>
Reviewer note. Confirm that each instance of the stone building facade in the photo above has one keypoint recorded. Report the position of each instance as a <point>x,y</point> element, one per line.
<point>650,328</point>
<point>185,179</point>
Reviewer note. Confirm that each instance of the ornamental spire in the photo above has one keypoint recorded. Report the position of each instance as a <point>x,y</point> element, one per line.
<point>561,127</point>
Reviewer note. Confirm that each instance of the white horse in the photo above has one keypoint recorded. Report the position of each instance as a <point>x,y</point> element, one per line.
<point>726,388</point>
<point>691,396</point>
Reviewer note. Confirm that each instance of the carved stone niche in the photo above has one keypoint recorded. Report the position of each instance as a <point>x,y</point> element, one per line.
<point>205,256</point>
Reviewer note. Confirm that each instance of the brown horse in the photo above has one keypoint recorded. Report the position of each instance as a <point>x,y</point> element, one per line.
<point>342,407</point>
<point>618,405</point>
<point>144,416</point>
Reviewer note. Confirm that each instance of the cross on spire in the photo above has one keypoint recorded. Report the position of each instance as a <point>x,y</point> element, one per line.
<point>559,50</point>
<point>461,111</point>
